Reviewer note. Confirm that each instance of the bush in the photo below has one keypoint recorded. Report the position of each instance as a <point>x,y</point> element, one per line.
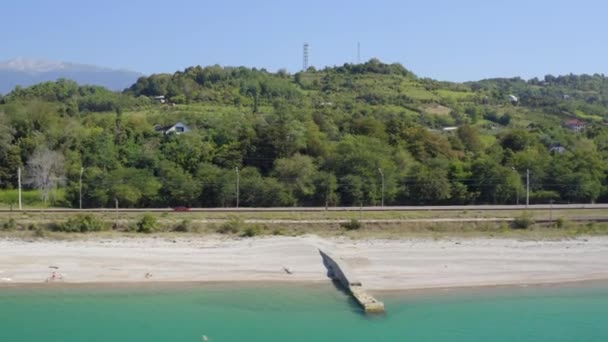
<point>147,224</point>
<point>232,226</point>
<point>11,224</point>
<point>39,232</point>
<point>184,226</point>
<point>81,224</point>
<point>561,223</point>
<point>279,232</point>
<point>252,230</point>
<point>353,224</point>
<point>523,221</point>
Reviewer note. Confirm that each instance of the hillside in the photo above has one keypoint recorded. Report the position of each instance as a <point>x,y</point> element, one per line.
<point>330,136</point>
<point>26,72</point>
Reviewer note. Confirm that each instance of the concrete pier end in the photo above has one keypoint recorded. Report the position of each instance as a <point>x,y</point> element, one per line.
<point>340,272</point>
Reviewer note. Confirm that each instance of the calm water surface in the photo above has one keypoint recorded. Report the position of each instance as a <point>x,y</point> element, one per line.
<point>301,313</point>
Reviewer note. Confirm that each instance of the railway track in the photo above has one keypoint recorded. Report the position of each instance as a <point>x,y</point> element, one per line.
<point>555,207</point>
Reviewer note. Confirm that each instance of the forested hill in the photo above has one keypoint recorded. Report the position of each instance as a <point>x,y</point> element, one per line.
<point>320,137</point>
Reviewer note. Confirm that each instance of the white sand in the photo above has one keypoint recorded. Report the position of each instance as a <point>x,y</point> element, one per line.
<point>380,265</point>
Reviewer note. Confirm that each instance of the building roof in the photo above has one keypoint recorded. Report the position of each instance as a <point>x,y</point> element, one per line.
<point>164,129</point>
<point>575,122</point>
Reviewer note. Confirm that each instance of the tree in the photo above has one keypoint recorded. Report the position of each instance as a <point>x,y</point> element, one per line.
<point>258,191</point>
<point>495,183</point>
<point>10,159</point>
<point>516,140</point>
<point>326,186</point>
<point>179,187</point>
<point>470,138</point>
<point>45,171</point>
<point>352,190</point>
<point>218,185</point>
<point>428,185</point>
<point>129,186</point>
<point>298,174</point>
<point>186,150</point>
<point>355,161</point>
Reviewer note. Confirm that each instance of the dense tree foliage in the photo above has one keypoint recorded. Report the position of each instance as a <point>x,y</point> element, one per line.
<point>337,136</point>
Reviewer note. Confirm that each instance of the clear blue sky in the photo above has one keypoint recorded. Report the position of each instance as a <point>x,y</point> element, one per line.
<point>447,40</point>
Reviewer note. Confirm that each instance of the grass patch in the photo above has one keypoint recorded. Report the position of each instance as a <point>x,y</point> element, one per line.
<point>32,198</point>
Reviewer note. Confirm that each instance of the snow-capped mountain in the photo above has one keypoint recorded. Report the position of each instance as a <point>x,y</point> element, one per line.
<point>27,71</point>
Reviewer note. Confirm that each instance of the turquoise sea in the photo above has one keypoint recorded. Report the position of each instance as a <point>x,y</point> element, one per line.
<point>295,313</point>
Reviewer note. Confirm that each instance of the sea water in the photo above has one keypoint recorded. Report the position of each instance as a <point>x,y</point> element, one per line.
<point>295,313</point>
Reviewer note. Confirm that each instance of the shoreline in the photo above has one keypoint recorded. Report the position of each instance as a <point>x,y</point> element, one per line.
<point>383,266</point>
<point>387,295</point>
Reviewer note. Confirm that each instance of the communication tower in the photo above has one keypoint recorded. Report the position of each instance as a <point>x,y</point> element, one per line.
<point>305,62</point>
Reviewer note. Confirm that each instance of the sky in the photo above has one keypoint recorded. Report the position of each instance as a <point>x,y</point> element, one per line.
<point>446,40</point>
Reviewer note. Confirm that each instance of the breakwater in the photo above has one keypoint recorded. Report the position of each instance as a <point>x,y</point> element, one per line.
<point>340,272</point>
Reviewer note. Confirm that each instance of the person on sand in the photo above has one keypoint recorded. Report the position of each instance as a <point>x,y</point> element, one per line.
<point>54,277</point>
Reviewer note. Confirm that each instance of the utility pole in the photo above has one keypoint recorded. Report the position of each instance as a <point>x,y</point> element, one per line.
<point>19,184</point>
<point>327,195</point>
<point>527,187</point>
<point>237,186</point>
<point>382,175</point>
<point>516,189</point>
<point>116,202</point>
<point>80,187</point>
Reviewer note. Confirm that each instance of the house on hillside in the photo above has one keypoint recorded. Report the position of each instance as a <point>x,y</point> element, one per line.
<point>161,98</point>
<point>177,128</point>
<point>575,125</point>
<point>514,100</point>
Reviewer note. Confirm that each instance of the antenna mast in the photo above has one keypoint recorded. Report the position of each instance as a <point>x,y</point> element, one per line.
<point>305,62</point>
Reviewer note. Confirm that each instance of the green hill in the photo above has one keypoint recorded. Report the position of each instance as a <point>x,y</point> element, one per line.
<point>314,138</point>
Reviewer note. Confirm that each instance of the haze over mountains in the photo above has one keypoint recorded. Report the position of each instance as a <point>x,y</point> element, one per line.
<point>28,71</point>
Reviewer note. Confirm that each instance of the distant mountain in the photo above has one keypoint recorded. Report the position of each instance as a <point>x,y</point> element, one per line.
<point>26,72</point>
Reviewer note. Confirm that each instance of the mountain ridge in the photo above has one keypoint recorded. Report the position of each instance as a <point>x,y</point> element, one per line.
<point>24,72</point>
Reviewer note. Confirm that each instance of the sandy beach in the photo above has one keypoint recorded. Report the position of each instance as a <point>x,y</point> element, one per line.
<point>379,264</point>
